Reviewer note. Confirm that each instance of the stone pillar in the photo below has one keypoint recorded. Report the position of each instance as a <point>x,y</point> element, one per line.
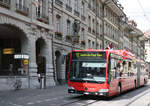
<point>49,64</point>
<point>33,80</point>
<point>46,51</point>
<point>62,74</point>
<point>63,69</point>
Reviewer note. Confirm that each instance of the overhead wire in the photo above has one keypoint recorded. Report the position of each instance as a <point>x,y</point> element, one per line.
<point>143,11</point>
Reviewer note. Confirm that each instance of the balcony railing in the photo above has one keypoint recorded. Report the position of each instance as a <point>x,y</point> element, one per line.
<point>58,35</point>
<point>68,8</point>
<point>5,3</point>
<point>93,31</point>
<point>69,38</point>
<point>22,9</point>
<point>89,29</point>
<point>43,18</point>
<point>83,17</point>
<point>83,43</point>
<point>59,2</point>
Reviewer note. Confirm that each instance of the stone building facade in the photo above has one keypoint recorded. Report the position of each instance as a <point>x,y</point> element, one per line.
<point>25,29</point>
<point>48,30</point>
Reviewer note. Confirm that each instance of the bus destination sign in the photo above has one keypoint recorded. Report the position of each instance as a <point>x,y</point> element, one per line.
<point>88,55</point>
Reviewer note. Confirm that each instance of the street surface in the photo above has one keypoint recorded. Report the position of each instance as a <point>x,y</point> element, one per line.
<point>58,96</point>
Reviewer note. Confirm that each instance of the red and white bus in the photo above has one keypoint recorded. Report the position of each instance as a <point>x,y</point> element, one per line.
<point>104,72</point>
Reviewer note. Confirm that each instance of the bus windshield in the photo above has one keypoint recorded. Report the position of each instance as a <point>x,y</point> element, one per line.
<point>88,71</point>
<point>88,67</point>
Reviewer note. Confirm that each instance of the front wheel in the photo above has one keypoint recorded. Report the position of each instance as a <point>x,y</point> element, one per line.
<point>119,89</point>
<point>134,84</point>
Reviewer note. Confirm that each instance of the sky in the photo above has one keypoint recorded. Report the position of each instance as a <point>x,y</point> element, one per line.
<point>139,11</point>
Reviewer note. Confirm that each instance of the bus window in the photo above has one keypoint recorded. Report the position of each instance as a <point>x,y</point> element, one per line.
<point>93,71</point>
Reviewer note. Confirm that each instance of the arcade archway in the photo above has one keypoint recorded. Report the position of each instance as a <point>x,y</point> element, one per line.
<point>11,38</point>
<point>40,58</point>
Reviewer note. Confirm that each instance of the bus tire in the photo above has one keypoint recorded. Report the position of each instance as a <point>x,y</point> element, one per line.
<point>144,81</point>
<point>135,84</point>
<point>119,89</point>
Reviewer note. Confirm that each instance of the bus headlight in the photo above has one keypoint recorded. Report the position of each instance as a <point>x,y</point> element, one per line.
<point>70,88</point>
<point>103,90</point>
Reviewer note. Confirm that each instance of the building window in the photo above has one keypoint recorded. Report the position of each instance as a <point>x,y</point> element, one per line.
<point>69,2</point>
<point>58,23</point>
<point>41,9</point>
<point>97,28</point>
<point>89,43</point>
<point>68,27</point>
<point>83,9</point>
<point>76,5</point>
<point>93,24</point>
<point>21,7</point>
<point>93,44</point>
<point>83,34</point>
<point>100,46</point>
<point>21,2</point>
<point>89,21</point>
<point>101,28</point>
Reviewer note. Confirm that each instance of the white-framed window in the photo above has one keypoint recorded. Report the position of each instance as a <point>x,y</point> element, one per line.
<point>58,23</point>
<point>68,27</point>
<point>93,44</point>
<point>83,34</point>
<point>21,2</point>
<point>5,1</point>
<point>90,2</point>
<point>89,43</point>
<point>100,46</point>
<point>76,5</point>
<point>93,24</point>
<point>100,28</point>
<point>89,21</point>
<point>41,9</point>
<point>83,9</point>
<point>69,3</point>
<point>97,28</point>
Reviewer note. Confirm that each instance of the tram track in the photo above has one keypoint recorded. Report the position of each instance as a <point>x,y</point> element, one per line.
<point>77,101</point>
<point>82,101</point>
<point>100,100</point>
<point>138,97</point>
<point>134,95</point>
<point>135,99</point>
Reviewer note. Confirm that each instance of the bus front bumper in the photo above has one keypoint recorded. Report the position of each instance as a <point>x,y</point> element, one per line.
<point>88,93</point>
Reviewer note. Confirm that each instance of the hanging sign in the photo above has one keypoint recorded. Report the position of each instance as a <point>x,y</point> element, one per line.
<point>21,56</point>
<point>26,62</point>
<point>8,51</point>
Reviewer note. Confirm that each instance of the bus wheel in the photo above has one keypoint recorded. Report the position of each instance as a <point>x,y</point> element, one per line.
<point>134,84</point>
<point>144,81</point>
<point>119,89</point>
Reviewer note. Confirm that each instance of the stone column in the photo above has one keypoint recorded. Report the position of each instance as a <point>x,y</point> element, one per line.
<point>33,80</point>
<point>63,69</point>
<point>47,52</point>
